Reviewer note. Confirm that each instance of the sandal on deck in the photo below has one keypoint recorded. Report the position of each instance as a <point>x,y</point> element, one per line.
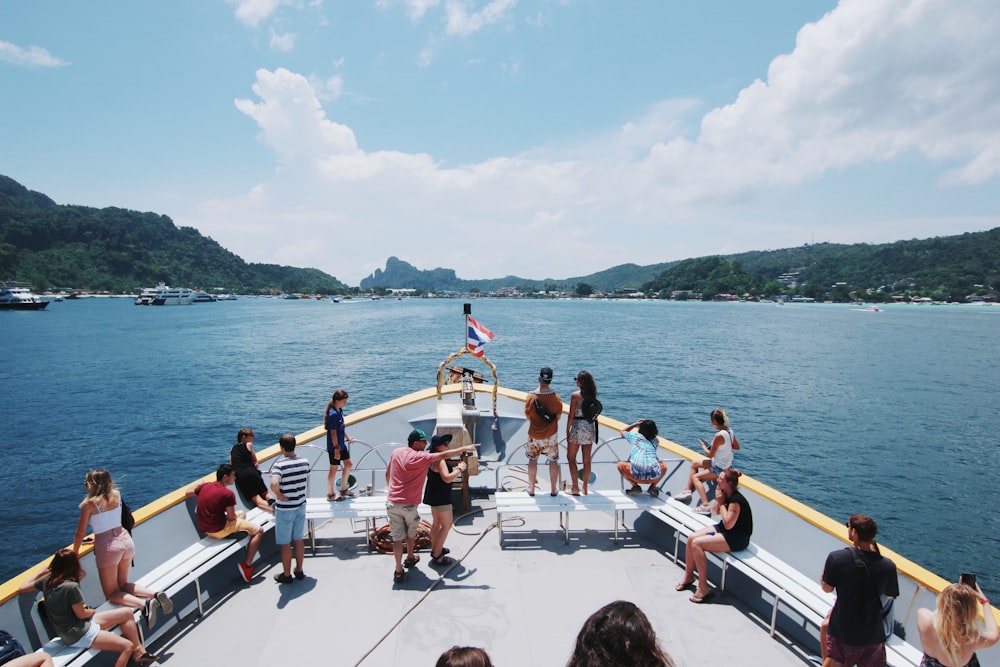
<point>144,658</point>
<point>684,585</point>
<point>442,560</point>
<point>331,496</point>
<point>411,561</point>
<point>397,577</point>
<point>698,599</point>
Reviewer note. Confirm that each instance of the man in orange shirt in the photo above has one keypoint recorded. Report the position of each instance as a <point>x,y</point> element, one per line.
<point>543,408</point>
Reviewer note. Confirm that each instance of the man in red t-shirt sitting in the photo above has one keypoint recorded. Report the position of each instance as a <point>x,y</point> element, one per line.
<point>218,518</point>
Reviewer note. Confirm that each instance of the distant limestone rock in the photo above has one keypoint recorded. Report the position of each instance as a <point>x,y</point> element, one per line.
<point>399,274</point>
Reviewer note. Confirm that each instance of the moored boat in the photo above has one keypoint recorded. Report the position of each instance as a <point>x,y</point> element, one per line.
<point>18,296</point>
<point>173,296</point>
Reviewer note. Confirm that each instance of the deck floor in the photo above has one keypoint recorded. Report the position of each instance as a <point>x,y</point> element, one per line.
<point>524,604</point>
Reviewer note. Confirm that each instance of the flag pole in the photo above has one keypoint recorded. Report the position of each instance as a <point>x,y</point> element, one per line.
<point>467,310</point>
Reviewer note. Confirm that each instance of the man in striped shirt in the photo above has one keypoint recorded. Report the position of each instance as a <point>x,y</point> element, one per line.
<point>288,482</point>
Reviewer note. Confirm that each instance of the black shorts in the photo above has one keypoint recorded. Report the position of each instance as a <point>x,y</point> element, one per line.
<point>736,541</point>
<point>345,455</point>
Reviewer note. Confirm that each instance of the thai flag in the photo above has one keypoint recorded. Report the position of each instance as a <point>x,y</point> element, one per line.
<point>478,337</point>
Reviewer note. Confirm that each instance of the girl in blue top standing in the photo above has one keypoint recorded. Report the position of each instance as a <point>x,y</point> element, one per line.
<point>336,446</point>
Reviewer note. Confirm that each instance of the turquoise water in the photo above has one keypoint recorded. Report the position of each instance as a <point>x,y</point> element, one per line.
<point>893,414</point>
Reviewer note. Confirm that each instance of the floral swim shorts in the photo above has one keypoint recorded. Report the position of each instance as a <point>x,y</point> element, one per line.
<point>548,446</point>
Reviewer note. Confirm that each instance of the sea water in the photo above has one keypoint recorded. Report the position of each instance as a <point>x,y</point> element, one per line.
<point>891,413</point>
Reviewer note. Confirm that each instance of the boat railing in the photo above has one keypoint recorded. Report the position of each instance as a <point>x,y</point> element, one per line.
<point>372,462</point>
<point>605,454</point>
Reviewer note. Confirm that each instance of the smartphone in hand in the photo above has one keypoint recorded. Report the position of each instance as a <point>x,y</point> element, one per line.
<point>968,578</point>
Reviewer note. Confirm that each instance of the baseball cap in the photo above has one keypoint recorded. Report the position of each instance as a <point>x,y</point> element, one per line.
<point>545,375</point>
<point>415,435</point>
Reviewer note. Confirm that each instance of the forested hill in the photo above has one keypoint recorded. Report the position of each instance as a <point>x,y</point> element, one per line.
<point>118,250</point>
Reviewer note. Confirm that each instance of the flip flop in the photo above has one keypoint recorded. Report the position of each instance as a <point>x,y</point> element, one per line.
<point>698,599</point>
<point>683,586</point>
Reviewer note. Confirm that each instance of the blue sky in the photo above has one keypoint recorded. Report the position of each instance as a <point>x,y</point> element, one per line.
<point>544,139</point>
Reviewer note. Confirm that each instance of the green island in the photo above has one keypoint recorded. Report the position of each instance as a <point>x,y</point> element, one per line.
<point>64,247</point>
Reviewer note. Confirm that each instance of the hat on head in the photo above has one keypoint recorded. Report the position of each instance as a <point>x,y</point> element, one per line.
<point>545,375</point>
<point>442,439</point>
<point>416,435</point>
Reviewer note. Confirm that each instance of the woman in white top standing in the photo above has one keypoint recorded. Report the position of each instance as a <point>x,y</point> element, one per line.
<point>113,547</point>
<point>720,457</point>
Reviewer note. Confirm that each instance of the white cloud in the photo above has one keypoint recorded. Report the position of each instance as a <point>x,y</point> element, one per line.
<point>284,42</point>
<point>462,22</point>
<point>33,56</point>
<point>252,12</point>
<point>873,82</point>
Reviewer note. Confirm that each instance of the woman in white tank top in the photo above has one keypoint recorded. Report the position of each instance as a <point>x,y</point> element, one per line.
<point>113,547</point>
<point>720,457</point>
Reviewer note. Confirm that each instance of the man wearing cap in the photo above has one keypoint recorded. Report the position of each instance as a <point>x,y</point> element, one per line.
<point>405,476</point>
<point>542,408</point>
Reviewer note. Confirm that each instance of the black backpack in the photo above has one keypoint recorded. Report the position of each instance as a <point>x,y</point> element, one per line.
<point>591,409</point>
<point>10,648</point>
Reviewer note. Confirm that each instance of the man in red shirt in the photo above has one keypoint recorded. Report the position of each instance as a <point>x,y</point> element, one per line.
<point>405,475</point>
<point>218,518</point>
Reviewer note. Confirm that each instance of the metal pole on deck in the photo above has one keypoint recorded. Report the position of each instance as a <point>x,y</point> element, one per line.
<point>467,310</point>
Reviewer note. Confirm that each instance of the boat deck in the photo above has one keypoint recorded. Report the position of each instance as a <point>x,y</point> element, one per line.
<point>524,604</point>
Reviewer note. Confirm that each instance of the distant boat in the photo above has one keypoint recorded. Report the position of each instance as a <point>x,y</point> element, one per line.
<point>203,297</point>
<point>147,295</point>
<point>290,296</point>
<point>18,296</point>
<point>873,309</point>
<point>173,296</point>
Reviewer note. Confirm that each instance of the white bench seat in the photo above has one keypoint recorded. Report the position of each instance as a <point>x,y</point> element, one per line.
<point>616,502</point>
<point>369,508</point>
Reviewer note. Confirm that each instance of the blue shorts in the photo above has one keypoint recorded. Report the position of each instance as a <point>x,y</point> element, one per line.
<point>289,524</point>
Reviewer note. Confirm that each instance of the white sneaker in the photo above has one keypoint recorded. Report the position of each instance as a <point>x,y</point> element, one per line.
<point>702,509</point>
<point>683,495</point>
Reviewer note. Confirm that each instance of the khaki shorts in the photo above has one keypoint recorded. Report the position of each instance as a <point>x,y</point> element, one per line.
<point>403,521</point>
<point>235,527</point>
<point>548,446</point>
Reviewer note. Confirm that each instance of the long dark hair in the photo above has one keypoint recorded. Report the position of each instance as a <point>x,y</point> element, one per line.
<point>338,395</point>
<point>588,388</point>
<point>65,566</point>
<point>618,634</point>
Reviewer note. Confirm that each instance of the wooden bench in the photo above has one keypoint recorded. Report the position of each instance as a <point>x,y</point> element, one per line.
<point>616,502</point>
<point>370,508</point>
<point>788,586</point>
<point>171,576</point>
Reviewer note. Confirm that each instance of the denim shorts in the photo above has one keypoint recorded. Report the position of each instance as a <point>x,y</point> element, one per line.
<point>289,524</point>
